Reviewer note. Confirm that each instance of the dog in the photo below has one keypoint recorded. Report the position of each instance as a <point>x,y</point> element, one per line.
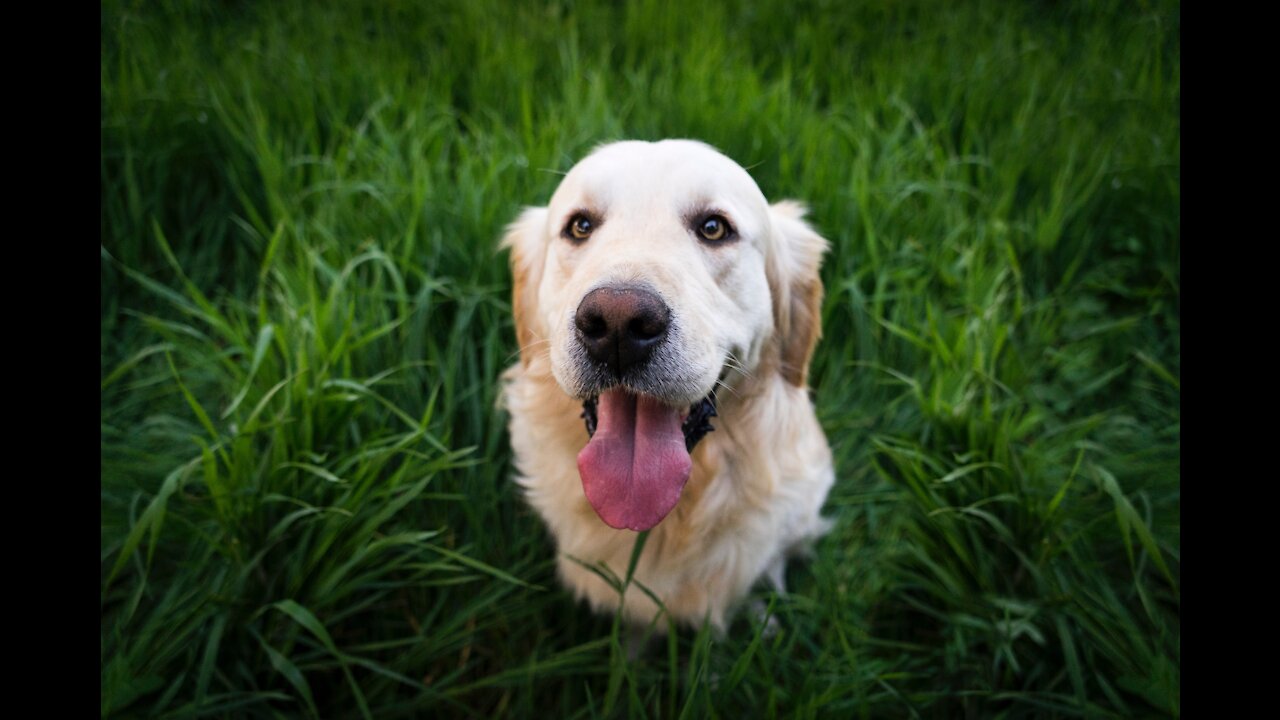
<point>666,315</point>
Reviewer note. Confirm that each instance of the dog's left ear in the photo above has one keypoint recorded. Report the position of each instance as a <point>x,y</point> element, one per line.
<point>792,268</point>
<point>524,238</point>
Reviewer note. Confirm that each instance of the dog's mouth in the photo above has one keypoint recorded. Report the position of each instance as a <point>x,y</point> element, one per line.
<point>695,426</point>
<point>637,461</point>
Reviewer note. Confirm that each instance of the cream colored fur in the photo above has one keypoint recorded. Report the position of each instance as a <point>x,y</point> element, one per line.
<point>750,305</point>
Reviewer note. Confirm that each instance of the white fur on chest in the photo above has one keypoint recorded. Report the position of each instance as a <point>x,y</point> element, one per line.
<point>754,497</point>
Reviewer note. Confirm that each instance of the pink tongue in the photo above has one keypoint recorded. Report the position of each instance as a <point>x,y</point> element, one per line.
<point>636,464</point>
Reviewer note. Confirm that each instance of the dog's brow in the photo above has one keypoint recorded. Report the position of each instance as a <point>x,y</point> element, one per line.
<point>697,211</point>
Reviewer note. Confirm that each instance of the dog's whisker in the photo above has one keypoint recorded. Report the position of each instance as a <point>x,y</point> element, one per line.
<point>735,370</point>
<point>529,348</point>
<point>733,363</point>
<point>721,383</point>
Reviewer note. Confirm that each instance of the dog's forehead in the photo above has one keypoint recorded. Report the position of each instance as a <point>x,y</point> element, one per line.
<point>683,172</point>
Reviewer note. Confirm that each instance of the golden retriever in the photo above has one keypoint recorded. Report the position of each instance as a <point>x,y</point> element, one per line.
<point>659,289</point>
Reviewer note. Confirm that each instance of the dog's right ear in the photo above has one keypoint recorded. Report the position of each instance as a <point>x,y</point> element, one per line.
<point>526,240</point>
<point>792,268</point>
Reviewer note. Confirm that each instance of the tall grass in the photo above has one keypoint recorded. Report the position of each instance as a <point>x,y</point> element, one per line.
<point>306,505</point>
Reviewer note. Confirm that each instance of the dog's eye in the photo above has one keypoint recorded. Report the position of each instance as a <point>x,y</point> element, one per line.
<point>714,228</point>
<point>579,227</point>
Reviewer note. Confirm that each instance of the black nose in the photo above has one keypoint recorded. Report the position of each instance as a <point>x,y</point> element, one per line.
<point>620,326</point>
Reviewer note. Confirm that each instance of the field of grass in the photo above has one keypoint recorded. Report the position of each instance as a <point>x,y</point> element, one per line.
<point>306,499</point>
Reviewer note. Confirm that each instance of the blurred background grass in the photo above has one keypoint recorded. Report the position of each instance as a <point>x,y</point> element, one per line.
<point>306,504</point>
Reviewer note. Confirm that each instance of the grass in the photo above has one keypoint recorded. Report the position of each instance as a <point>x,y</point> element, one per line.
<point>306,497</point>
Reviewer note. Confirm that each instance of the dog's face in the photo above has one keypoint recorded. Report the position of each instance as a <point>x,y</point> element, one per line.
<point>682,229</point>
<point>657,272</point>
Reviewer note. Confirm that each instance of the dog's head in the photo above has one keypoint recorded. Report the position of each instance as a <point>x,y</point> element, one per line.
<point>657,272</point>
